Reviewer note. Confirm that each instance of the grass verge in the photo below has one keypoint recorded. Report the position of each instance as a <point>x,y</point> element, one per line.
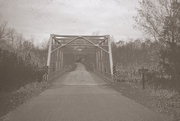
<point>162,101</point>
<point>10,100</point>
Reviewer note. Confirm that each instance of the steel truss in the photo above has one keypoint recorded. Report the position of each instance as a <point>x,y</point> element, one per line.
<point>100,45</point>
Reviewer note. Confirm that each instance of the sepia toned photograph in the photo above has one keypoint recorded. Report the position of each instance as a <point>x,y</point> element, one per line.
<point>89,60</point>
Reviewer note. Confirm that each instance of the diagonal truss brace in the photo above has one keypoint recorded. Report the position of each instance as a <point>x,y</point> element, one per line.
<point>96,45</point>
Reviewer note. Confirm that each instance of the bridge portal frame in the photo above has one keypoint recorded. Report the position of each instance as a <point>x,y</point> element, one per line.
<point>102,43</point>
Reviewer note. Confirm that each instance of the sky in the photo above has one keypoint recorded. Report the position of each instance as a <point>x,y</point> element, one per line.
<point>39,18</point>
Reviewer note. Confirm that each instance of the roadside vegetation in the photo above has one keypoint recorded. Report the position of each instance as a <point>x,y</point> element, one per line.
<point>159,55</point>
<point>23,71</point>
<point>21,68</point>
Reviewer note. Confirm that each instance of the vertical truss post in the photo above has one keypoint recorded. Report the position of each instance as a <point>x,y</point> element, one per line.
<point>107,62</point>
<point>49,51</point>
<point>57,60</point>
<point>61,60</point>
<point>99,52</point>
<point>101,60</point>
<point>96,60</point>
<point>49,55</point>
<point>110,55</point>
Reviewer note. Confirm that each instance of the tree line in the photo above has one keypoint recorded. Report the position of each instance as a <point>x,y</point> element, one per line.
<point>21,62</point>
<point>160,54</point>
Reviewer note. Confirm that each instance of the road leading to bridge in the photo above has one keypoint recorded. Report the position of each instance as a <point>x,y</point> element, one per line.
<point>82,96</point>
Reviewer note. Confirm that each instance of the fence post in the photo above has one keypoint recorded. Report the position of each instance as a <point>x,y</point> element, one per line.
<point>143,72</point>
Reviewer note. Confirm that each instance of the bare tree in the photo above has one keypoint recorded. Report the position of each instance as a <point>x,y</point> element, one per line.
<point>3,28</point>
<point>12,35</point>
<point>161,19</point>
<point>152,15</point>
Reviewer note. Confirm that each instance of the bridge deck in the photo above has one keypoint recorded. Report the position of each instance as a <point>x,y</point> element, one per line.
<point>82,96</point>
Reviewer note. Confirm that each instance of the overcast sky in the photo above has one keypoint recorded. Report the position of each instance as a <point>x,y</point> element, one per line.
<point>40,18</point>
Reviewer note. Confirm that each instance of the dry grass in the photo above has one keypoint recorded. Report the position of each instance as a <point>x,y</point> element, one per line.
<point>159,100</point>
<point>32,87</point>
<point>10,101</point>
<point>163,93</point>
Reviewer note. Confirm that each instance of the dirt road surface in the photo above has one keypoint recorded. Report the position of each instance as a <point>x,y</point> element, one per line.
<point>82,96</point>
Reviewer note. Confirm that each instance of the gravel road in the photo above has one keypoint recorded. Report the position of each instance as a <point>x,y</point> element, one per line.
<point>82,96</point>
